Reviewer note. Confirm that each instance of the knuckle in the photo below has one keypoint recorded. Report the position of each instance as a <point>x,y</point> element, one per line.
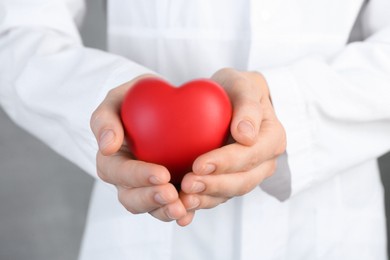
<point>102,113</point>
<point>240,82</point>
<point>223,76</point>
<point>99,119</point>
<point>249,108</point>
<point>224,71</point>
<point>253,105</point>
<point>93,120</point>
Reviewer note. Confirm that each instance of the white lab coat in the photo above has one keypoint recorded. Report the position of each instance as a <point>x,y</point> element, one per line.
<point>332,98</point>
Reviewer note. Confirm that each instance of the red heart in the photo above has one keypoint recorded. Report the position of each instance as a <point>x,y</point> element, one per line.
<point>173,126</point>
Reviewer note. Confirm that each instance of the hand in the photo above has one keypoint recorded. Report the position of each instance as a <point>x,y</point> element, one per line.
<point>237,168</point>
<point>142,187</point>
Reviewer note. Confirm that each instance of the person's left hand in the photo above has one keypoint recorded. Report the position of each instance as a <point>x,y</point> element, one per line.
<point>237,168</point>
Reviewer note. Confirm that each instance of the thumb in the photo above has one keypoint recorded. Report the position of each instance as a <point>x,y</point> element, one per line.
<point>245,97</point>
<point>106,124</point>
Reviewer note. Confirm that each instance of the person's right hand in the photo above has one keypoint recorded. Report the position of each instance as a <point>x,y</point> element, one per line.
<point>142,187</point>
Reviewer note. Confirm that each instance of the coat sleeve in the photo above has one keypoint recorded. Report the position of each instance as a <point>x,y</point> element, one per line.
<point>49,82</point>
<point>336,112</point>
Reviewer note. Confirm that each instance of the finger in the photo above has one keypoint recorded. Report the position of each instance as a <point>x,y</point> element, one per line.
<point>172,211</point>
<point>105,121</point>
<point>238,158</point>
<point>120,170</point>
<point>206,201</point>
<point>245,97</point>
<point>190,201</point>
<point>229,185</point>
<point>142,200</point>
<point>185,221</point>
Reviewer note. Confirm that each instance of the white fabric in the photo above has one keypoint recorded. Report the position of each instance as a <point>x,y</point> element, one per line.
<point>331,96</point>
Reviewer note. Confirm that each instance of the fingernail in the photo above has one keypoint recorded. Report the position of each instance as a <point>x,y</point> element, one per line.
<point>194,203</point>
<point>208,168</point>
<point>246,128</point>
<point>154,180</point>
<point>159,199</point>
<point>169,214</point>
<point>198,187</point>
<point>106,138</point>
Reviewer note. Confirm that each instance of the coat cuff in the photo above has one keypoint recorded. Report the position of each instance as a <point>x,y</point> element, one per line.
<point>289,104</point>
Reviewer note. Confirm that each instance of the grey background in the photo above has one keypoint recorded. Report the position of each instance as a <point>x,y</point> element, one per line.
<point>43,198</point>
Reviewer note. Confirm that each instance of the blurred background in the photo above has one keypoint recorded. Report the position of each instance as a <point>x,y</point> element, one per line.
<point>43,198</point>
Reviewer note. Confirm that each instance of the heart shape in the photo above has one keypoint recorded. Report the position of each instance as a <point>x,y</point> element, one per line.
<point>172,126</point>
